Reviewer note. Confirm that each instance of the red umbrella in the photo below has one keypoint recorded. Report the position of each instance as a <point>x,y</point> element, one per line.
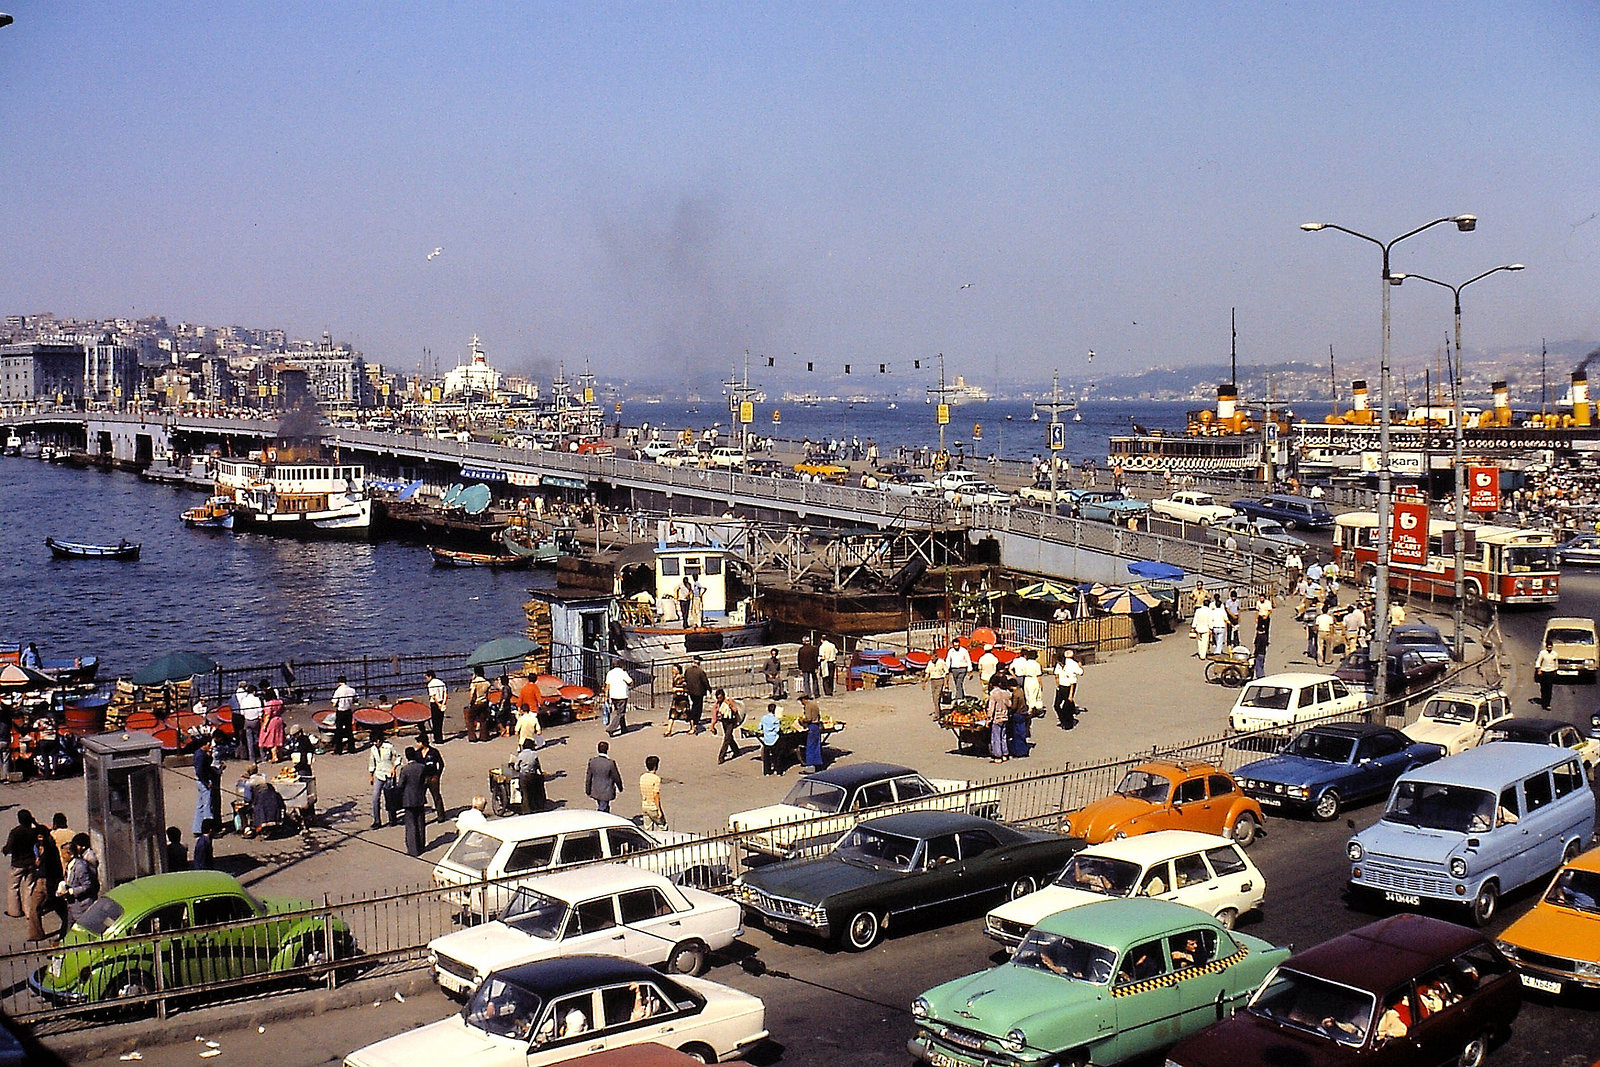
<point>370,717</point>
<point>577,694</point>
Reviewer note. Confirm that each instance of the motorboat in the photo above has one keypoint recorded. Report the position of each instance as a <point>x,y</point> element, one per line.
<point>215,514</point>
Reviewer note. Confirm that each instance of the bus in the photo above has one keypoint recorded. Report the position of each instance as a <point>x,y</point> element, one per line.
<point>1503,564</point>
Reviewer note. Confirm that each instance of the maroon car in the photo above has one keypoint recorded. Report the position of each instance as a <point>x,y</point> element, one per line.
<point>1408,990</point>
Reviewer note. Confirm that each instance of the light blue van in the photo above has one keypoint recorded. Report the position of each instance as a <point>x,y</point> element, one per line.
<point>1469,828</point>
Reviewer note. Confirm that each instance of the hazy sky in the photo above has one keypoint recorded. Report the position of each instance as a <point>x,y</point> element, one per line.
<point>657,187</point>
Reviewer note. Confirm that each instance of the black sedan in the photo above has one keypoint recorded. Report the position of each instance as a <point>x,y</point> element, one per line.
<point>1420,637</point>
<point>1326,768</point>
<point>1409,670</point>
<point>899,865</point>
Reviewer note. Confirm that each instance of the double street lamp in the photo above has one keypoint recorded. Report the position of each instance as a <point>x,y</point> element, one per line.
<point>1380,609</point>
<point>1455,417</point>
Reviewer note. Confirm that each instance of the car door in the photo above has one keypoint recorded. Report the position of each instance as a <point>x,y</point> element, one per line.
<point>983,865</point>
<point>1369,772</point>
<point>1189,810</point>
<point>1542,827</point>
<point>1192,883</point>
<point>176,960</point>
<point>1222,793</point>
<point>524,858</point>
<point>239,947</point>
<point>1157,881</point>
<point>1200,987</point>
<point>944,876</point>
<point>651,927</point>
<point>592,927</point>
<point>1238,882</point>
<point>636,1012</point>
<point>580,847</point>
<point>1148,1009</point>
<point>915,791</point>
<point>571,1026</point>
<point>873,795</point>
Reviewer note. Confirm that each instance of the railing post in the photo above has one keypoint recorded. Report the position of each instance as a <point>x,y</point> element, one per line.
<point>160,976</point>
<point>328,943</point>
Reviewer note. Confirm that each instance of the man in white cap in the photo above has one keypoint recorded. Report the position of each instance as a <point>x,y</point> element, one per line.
<point>1068,671</point>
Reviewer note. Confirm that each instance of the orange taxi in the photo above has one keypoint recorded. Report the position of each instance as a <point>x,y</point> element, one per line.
<point>1166,794</point>
<point>1556,945</point>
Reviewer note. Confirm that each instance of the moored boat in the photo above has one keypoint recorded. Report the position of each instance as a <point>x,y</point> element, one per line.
<point>83,550</point>
<point>215,514</point>
<point>660,622</point>
<point>449,557</point>
<point>301,498</point>
<point>519,542</point>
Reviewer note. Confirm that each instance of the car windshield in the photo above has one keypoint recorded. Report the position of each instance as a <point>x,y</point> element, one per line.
<point>1142,785</point>
<point>1449,711</point>
<point>499,1007</point>
<point>1437,806</point>
<point>1513,732</point>
<point>1099,874</point>
<point>1566,635</point>
<point>1079,961</point>
<point>1579,890</point>
<point>873,848</point>
<point>535,914</point>
<point>101,914</point>
<point>1330,748</point>
<point>473,851</point>
<point>1520,560</point>
<point>1415,637</point>
<point>813,795</point>
<point>1317,1006</point>
<point>1271,697</point>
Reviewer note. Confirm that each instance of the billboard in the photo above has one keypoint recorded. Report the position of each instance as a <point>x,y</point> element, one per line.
<point>1408,533</point>
<point>1483,488</point>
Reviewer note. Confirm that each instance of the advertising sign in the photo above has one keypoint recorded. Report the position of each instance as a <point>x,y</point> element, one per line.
<point>1483,488</point>
<point>1403,464</point>
<point>747,412</point>
<point>1408,533</point>
<point>1058,436</point>
<point>944,414</point>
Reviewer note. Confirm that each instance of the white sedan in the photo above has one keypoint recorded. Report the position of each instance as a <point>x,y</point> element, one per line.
<point>1203,871</point>
<point>1191,506</point>
<point>606,908</point>
<point>555,1010</point>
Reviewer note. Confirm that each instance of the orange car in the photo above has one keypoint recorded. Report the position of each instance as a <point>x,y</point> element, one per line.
<point>1169,795</point>
<point>1556,945</point>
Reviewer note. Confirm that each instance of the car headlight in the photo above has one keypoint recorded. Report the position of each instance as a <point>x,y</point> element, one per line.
<point>1016,1041</point>
<point>1299,792</point>
<point>1585,969</point>
<point>1354,851</point>
<point>1458,867</point>
<point>1507,949</point>
<point>1119,835</point>
<point>919,1008</point>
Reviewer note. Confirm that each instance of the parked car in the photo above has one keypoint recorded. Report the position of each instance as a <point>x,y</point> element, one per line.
<point>1409,670</point>
<point>1295,512</point>
<point>1191,505</point>
<point>1557,732</point>
<point>680,457</point>
<point>1203,871</point>
<point>1169,794</point>
<point>1041,495</point>
<point>612,909</point>
<point>1280,702</point>
<point>1099,984</point>
<point>1470,828</point>
<point>1329,767</point>
<point>725,458</point>
<point>1450,991</point>
<point>483,868</point>
<point>819,471</point>
<point>852,792</point>
<point>1573,641</point>
<point>971,489</point>
<point>911,485</point>
<point>218,930</point>
<point>1420,637</point>
<point>764,467</point>
<point>1580,551</point>
<point>1554,946</point>
<point>1106,505</point>
<point>1261,537</point>
<point>552,1010</point>
<point>657,449</point>
<point>1458,718</point>
<point>898,865</point>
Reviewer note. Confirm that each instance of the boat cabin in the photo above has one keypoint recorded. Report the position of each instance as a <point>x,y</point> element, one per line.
<point>702,566</point>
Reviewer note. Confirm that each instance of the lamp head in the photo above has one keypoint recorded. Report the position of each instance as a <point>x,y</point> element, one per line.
<point>1396,279</point>
<point>1312,227</point>
<point>1515,266</point>
<point>1466,223</point>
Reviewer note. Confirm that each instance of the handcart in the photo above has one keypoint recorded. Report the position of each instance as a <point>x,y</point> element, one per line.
<point>505,792</point>
<point>1231,668</point>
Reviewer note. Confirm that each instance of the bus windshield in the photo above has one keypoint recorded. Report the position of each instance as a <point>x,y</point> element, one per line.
<point>1522,560</point>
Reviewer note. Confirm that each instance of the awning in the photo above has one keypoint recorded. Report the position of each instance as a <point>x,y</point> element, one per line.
<point>483,474</point>
<point>565,483</point>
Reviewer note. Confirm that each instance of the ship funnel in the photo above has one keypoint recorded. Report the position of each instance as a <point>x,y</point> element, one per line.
<point>1358,389</point>
<point>1502,404</point>
<point>1580,398</point>
<point>1227,402</point>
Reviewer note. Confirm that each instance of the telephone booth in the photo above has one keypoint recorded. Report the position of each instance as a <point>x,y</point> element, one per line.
<point>127,811</point>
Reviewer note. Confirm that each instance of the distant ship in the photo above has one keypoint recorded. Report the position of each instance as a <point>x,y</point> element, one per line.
<point>962,393</point>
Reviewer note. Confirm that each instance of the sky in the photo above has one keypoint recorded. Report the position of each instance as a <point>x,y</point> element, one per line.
<point>654,189</point>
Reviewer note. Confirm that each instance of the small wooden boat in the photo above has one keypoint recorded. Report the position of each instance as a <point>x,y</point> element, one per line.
<point>520,543</point>
<point>449,557</point>
<point>82,550</point>
<point>215,514</point>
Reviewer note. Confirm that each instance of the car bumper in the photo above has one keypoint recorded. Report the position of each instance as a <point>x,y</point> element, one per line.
<point>54,996</point>
<point>925,1048</point>
<point>1279,801</point>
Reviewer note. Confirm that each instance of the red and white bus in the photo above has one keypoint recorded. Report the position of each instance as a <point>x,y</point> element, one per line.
<point>1504,564</point>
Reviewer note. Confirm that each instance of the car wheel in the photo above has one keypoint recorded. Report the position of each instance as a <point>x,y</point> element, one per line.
<point>1327,805</point>
<point>1244,829</point>
<point>699,1053</point>
<point>1572,850</point>
<point>1020,888</point>
<point>134,984</point>
<point>862,931</point>
<point>1485,904</point>
<point>1474,1051</point>
<point>1290,525</point>
<point>689,958</point>
<point>1228,918</point>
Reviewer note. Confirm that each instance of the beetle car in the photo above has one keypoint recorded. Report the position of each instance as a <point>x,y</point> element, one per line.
<point>1540,731</point>
<point>1328,767</point>
<point>1201,870</point>
<point>608,908</point>
<point>896,866</point>
<point>1098,984</point>
<point>1167,794</point>
<point>1574,642</point>
<point>1404,991</point>
<point>218,930</point>
<point>553,1010</point>
<point>1458,718</point>
<point>1556,945</point>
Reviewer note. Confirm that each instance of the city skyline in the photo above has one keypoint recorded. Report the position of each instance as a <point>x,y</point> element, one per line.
<point>656,190</point>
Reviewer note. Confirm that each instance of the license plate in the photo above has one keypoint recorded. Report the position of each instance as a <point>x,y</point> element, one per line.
<point>940,1059</point>
<point>778,925</point>
<point>1543,985</point>
<point>1402,898</point>
<point>1270,802</point>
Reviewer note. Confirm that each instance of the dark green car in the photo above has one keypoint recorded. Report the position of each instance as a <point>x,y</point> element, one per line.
<point>218,932</point>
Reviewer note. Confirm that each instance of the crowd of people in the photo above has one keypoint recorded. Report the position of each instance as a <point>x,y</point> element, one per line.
<point>53,871</point>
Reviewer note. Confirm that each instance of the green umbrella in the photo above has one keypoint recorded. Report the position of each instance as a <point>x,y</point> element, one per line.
<point>502,650</point>
<point>1047,591</point>
<point>174,667</point>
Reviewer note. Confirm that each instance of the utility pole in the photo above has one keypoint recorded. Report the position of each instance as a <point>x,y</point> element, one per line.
<point>740,405</point>
<point>1058,434</point>
<point>942,391</point>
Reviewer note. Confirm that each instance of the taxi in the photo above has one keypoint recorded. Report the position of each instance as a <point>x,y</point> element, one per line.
<point>1556,945</point>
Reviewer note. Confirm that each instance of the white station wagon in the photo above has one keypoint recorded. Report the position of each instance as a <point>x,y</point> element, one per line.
<point>1281,702</point>
<point>1203,871</point>
<point>608,908</point>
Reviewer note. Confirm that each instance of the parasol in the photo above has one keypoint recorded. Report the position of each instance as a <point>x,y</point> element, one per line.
<point>173,667</point>
<point>1095,589</point>
<point>1155,571</point>
<point>502,650</point>
<point>18,678</point>
<point>1047,591</point>
<point>1130,601</point>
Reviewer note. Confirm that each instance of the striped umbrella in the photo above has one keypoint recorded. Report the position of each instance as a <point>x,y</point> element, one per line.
<point>1128,601</point>
<point>1047,591</point>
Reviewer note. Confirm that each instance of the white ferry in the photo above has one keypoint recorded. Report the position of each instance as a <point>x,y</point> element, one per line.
<point>299,498</point>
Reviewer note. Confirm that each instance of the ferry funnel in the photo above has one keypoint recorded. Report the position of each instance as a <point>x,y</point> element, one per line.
<point>1580,398</point>
<point>1360,413</point>
<point>1502,405</point>
<point>1228,406</point>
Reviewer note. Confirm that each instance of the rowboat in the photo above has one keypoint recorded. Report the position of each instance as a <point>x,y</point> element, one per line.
<point>81,550</point>
<point>449,557</point>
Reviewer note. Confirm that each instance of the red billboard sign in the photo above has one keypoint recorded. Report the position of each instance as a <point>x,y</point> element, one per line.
<point>1483,488</point>
<point>1408,533</point>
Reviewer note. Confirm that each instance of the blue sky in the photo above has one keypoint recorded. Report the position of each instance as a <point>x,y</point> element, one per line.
<point>657,187</point>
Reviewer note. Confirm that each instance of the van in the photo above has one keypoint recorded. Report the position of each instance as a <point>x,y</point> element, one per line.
<point>1295,512</point>
<point>1471,827</point>
<point>1573,642</point>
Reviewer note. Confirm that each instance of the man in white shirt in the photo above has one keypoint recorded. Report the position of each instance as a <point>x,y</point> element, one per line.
<point>827,653</point>
<point>988,663</point>
<point>1201,625</point>
<point>1324,637</point>
<point>249,706</point>
<point>437,695</point>
<point>618,683</point>
<point>344,710</point>
<point>1293,563</point>
<point>1067,672</point>
<point>380,768</point>
<point>960,662</point>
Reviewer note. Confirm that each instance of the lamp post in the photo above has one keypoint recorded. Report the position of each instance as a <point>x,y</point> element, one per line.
<point>1460,444</point>
<point>1380,608</point>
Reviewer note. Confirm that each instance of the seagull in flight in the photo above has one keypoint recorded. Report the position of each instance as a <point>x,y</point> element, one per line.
<point>435,254</point>
<point>966,285</point>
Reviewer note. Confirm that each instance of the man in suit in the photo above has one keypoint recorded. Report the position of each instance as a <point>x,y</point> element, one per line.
<point>602,781</point>
<point>414,801</point>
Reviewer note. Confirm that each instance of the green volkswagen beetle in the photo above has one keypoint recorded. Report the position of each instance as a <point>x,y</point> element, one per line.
<point>218,932</point>
<point>1099,984</point>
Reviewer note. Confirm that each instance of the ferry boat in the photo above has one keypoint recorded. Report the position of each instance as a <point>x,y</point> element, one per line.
<point>215,514</point>
<point>13,445</point>
<point>653,626</point>
<point>1230,441</point>
<point>300,499</point>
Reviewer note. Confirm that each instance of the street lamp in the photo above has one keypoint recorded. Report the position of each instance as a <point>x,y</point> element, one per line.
<point>1380,607</point>
<point>1460,445</point>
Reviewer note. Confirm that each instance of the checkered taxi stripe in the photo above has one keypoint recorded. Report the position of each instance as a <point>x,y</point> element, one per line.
<point>1183,975</point>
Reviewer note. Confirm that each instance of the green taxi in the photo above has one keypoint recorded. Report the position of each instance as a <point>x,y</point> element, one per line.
<point>1098,984</point>
<point>211,929</point>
